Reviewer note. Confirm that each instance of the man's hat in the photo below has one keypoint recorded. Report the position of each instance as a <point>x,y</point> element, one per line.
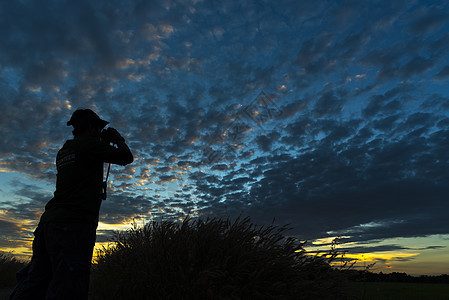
<point>85,116</point>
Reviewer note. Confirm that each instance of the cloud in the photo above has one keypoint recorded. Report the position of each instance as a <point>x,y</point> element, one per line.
<point>443,73</point>
<point>41,31</point>
<point>328,103</point>
<point>234,109</point>
<point>382,248</point>
<point>10,232</point>
<point>327,186</point>
<point>426,19</point>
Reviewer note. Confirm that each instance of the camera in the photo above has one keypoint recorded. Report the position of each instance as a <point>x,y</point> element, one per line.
<point>111,135</point>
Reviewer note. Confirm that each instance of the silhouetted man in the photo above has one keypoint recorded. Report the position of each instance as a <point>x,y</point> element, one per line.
<point>65,237</point>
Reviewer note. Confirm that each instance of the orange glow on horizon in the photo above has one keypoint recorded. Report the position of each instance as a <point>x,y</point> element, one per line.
<point>377,256</point>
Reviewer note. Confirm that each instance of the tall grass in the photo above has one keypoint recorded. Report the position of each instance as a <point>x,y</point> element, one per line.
<point>9,265</point>
<point>211,259</point>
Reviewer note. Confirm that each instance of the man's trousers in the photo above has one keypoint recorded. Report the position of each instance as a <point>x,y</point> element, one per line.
<point>60,265</point>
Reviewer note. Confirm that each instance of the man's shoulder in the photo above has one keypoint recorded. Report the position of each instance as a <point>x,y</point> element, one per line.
<point>86,142</point>
<point>84,145</point>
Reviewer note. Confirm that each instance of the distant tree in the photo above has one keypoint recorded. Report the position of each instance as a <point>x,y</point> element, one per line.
<point>396,277</point>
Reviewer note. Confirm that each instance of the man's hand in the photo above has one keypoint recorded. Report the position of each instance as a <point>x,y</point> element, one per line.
<point>111,135</point>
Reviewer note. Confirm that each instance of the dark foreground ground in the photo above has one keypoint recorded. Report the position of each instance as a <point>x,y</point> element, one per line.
<point>399,291</point>
<point>373,291</point>
<point>4,293</point>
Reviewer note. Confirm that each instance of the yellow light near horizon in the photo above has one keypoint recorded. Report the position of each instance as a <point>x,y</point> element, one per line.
<point>20,223</point>
<point>125,225</point>
<point>118,227</point>
<point>375,256</point>
<point>98,247</point>
<point>22,253</point>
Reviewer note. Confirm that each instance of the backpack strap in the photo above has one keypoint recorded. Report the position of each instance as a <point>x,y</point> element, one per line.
<point>105,184</point>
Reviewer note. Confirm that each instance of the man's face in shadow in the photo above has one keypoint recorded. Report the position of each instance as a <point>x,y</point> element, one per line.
<point>94,131</point>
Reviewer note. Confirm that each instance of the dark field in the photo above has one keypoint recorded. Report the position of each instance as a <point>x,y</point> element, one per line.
<point>4,293</point>
<point>373,290</point>
<point>220,259</point>
<point>398,291</point>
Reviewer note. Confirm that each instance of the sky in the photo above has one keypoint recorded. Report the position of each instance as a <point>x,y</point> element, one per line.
<point>330,116</point>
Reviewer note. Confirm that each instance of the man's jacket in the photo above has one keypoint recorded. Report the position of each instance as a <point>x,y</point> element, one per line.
<point>79,179</point>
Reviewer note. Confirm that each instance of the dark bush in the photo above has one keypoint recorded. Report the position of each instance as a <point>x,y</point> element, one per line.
<point>9,265</point>
<point>211,259</point>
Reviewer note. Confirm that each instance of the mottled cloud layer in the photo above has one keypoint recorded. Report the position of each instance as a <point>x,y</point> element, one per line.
<point>332,117</point>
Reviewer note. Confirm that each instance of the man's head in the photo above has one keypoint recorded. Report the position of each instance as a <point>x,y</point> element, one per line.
<point>85,121</point>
